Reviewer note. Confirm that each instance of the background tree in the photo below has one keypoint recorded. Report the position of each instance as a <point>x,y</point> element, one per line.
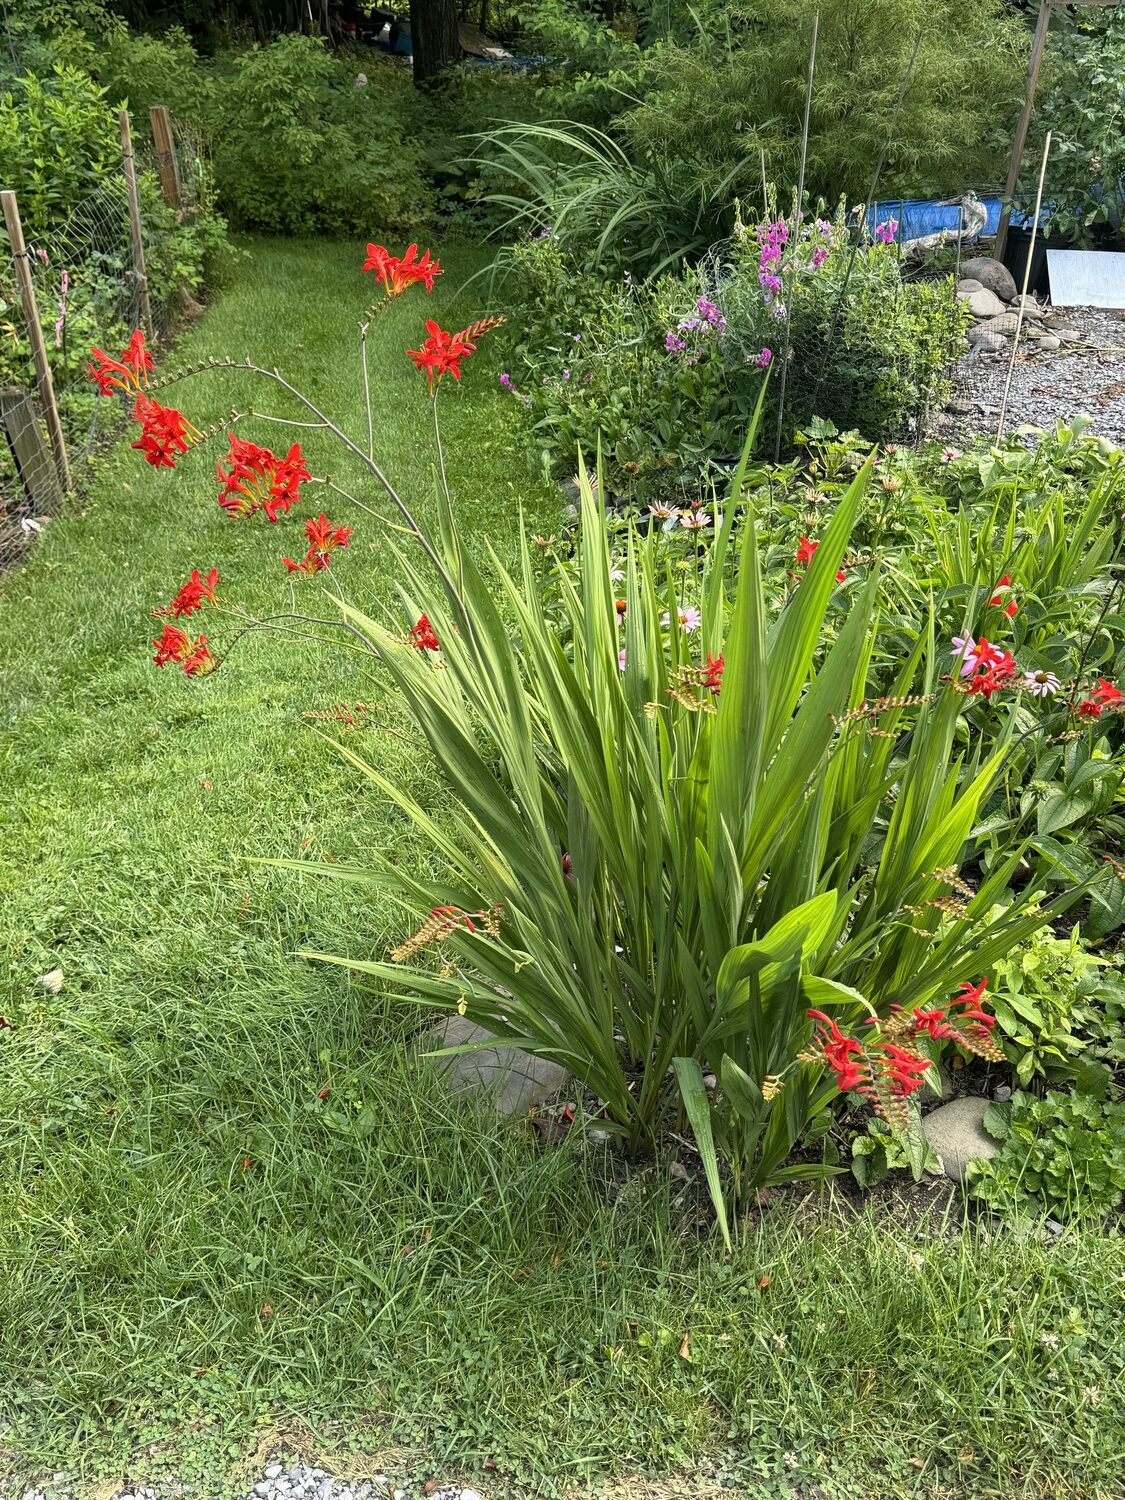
<point>434,32</point>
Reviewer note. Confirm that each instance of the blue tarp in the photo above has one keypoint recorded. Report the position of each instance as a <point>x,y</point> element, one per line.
<point>919,216</point>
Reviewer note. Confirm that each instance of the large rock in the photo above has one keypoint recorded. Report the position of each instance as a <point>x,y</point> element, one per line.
<point>992,274</point>
<point>968,285</point>
<point>515,1078</point>
<point>991,343</point>
<point>1006,323</point>
<point>985,304</point>
<point>1031,307</point>
<point>957,1134</point>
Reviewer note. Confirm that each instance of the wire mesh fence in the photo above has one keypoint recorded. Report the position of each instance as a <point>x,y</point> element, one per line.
<point>77,285</point>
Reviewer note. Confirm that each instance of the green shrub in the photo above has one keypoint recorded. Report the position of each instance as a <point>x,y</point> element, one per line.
<point>58,143</point>
<point>301,147</point>
<point>1063,1154</point>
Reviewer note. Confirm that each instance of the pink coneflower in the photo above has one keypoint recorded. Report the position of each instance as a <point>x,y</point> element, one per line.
<point>661,512</point>
<point>949,454</point>
<point>1042,684</point>
<point>689,619</point>
<point>965,649</point>
<point>694,520</point>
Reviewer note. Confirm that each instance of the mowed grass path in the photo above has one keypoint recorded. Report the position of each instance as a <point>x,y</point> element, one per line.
<point>193,1243</point>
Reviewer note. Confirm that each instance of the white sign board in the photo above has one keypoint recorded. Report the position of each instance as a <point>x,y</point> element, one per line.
<point>1087,278</point>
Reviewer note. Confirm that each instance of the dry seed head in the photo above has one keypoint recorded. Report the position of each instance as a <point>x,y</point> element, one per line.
<point>948,876</point>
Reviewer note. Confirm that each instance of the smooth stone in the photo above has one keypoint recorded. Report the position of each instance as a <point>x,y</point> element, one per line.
<point>992,274</point>
<point>991,343</point>
<point>1006,323</point>
<point>957,1134</point>
<point>967,285</point>
<point>1031,308</point>
<point>1068,335</point>
<point>1049,341</point>
<point>517,1079</point>
<point>985,304</point>
<point>1002,1093</point>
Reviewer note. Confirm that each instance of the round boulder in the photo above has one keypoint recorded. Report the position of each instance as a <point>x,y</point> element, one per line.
<point>991,343</point>
<point>985,304</point>
<point>1048,341</point>
<point>967,286</point>
<point>1006,323</point>
<point>992,274</point>
<point>956,1132</point>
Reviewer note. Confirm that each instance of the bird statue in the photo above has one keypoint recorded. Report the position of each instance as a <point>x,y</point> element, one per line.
<point>974,216</point>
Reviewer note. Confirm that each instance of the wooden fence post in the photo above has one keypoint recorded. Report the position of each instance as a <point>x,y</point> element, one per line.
<point>44,384</point>
<point>135,223</point>
<point>30,454</point>
<point>1019,140</point>
<point>166,162</point>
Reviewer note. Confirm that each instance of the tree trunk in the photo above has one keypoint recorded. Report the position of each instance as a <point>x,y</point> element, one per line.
<point>434,36</point>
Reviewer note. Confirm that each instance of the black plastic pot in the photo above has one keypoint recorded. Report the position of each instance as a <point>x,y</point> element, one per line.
<point>1015,258</point>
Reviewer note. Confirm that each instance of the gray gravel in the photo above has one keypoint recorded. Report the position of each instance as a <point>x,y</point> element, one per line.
<point>1081,378</point>
<point>290,1481</point>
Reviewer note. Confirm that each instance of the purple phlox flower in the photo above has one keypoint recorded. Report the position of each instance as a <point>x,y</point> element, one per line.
<point>1042,684</point>
<point>688,325</point>
<point>819,256</point>
<point>506,381</point>
<point>965,651</point>
<point>764,359</point>
<point>672,343</point>
<point>770,284</point>
<point>708,310</point>
<point>887,231</point>
<point>688,618</point>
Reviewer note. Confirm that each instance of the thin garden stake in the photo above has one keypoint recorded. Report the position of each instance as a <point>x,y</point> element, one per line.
<point>1023,289</point>
<point>796,232</point>
<point>765,184</point>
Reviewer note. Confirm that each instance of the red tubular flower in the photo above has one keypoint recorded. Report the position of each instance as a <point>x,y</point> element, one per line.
<point>165,432</point>
<point>324,536</point>
<point>806,551</point>
<point>173,645</point>
<point>1105,695</point>
<point>192,594</point>
<point>399,272</point>
<point>838,1052</point>
<point>423,635</point>
<point>199,660</point>
<point>442,353</point>
<point>904,1071</point>
<point>932,1022</point>
<point>258,480</point>
<point>713,673</point>
<point>128,372</point>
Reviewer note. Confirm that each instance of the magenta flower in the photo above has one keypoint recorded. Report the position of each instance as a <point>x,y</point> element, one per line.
<point>764,359</point>
<point>965,650</point>
<point>887,231</point>
<point>673,344</point>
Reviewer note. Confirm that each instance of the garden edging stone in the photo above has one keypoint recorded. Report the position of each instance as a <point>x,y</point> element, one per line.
<point>957,1134</point>
<point>516,1078</point>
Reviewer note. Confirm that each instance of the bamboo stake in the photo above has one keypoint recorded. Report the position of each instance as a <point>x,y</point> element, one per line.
<point>1023,289</point>
<point>135,224</point>
<point>43,381</point>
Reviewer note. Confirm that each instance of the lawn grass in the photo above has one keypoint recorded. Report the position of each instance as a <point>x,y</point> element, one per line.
<point>193,1244</point>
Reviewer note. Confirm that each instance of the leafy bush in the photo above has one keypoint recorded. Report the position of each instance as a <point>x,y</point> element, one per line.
<point>301,147</point>
<point>1063,1154</point>
<point>1085,111</point>
<point>58,142</point>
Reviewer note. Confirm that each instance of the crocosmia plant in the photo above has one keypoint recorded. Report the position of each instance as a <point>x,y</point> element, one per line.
<point>693,835</point>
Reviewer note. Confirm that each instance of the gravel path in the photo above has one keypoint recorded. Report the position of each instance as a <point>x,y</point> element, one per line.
<point>291,1481</point>
<point>1082,378</point>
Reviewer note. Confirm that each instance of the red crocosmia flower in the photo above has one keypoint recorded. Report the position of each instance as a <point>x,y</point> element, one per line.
<point>932,1022</point>
<point>441,354</point>
<point>199,660</point>
<point>398,272</point>
<point>173,645</point>
<point>192,594</point>
<point>712,673</point>
<point>1105,695</point>
<point>165,432</point>
<point>970,1000</point>
<point>994,670</point>
<point>258,480</point>
<point>128,372</point>
<point>423,635</point>
<point>806,551</point>
<point>324,537</point>
<point>1011,609</point>
<point>905,1071</point>
<point>838,1052</point>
